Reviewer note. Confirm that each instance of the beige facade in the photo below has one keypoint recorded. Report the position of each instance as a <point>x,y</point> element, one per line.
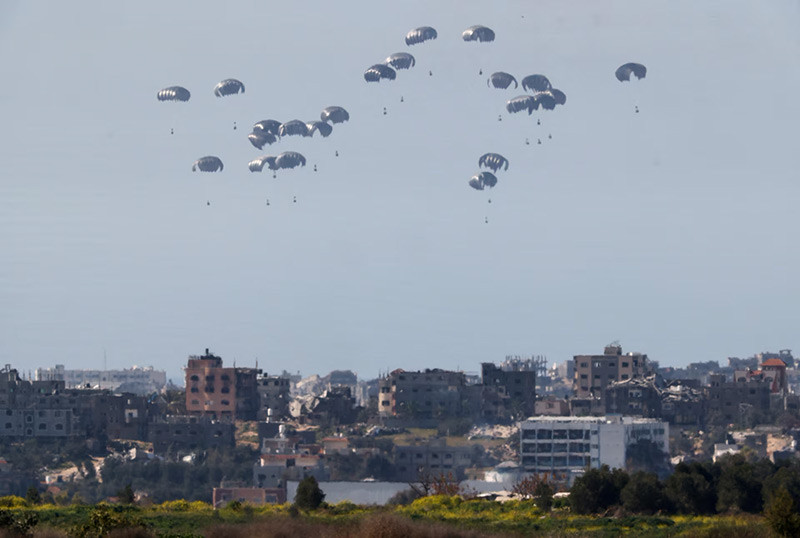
<point>594,372</point>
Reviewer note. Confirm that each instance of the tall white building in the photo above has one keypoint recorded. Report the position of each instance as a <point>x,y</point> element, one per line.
<point>139,380</point>
<point>564,447</point>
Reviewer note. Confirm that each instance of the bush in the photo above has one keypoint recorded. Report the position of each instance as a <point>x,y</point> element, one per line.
<point>643,494</point>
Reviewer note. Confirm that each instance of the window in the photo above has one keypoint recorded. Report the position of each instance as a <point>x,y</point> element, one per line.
<point>8,425</point>
<point>226,402</point>
<point>624,364</point>
<point>224,377</point>
<point>194,378</point>
<point>59,427</point>
<point>225,390</point>
<point>195,389</point>
<point>584,376</point>
<point>42,426</point>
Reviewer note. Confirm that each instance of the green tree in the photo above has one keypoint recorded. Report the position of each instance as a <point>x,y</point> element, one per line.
<point>597,490</point>
<point>33,496</point>
<point>691,489</point>
<point>126,495</point>
<point>309,496</point>
<point>643,494</point>
<point>781,516</point>
<point>738,489</point>
<point>543,495</point>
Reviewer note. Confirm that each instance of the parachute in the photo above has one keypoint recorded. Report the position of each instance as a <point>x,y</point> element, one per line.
<point>268,126</point>
<point>290,159</point>
<point>229,86</point>
<point>401,60</point>
<point>536,83</point>
<point>418,35</point>
<point>522,102</point>
<point>209,163</point>
<point>501,80</point>
<point>483,179</point>
<point>478,33</point>
<point>294,127</point>
<point>559,96</point>
<point>494,161</point>
<point>174,93</point>
<point>323,127</point>
<point>259,138</point>
<point>256,165</point>
<point>379,71</point>
<point>625,71</point>
<point>334,114</point>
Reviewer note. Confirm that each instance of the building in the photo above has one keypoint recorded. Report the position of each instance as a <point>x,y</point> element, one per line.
<point>220,497</point>
<point>564,447</point>
<point>274,395</point>
<point>431,394</point>
<point>638,397</point>
<point>434,457</point>
<point>731,401</point>
<point>218,392</point>
<point>514,385</point>
<point>186,433</point>
<point>594,372</point>
<point>136,380</point>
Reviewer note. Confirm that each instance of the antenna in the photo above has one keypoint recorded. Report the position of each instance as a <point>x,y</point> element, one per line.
<point>105,360</point>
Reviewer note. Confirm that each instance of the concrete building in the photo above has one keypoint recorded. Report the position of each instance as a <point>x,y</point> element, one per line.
<point>430,394</point>
<point>274,395</point>
<point>638,397</point>
<point>730,401</point>
<point>220,497</point>
<point>185,433</point>
<point>594,372</point>
<point>218,392</point>
<point>434,457</point>
<point>514,384</point>
<point>564,447</point>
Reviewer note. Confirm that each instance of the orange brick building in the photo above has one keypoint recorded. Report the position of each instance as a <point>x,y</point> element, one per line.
<point>218,392</point>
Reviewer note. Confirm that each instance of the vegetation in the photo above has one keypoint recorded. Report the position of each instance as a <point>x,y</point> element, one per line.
<point>309,496</point>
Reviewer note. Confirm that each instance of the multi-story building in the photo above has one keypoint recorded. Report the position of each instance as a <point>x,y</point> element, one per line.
<point>428,394</point>
<point>136,380</point>
<point>633,397</point>
<point>594,372</point>
<point>274,395</point>
<point>433,458</point>
<point>730,401</point>
<point>218,392</point>
<point>515,387</point>
<point>564,447</point>
<point>184,433</point>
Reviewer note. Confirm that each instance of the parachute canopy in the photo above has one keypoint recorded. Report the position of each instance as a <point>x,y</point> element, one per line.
<point>494,161</point>
<point>418,35</point>
<point>229,86</point>
<point>625,71</point>
<point>483,179</point>
<point>209,163</point>
<point>334,114</point>
<point>174,93</point>
<point>478,33</point>
<point>501,80</point>
<point>379,71</point>
<point>522,102</point>
<point>401,60</point>
<point>256,165</point>
<point>260,138</point>
<point>290,159</point>
<point>268,126</point>
<point>559,96</point>
<point>294,127</point>
<point>323,127</point>
<point>536,83</point>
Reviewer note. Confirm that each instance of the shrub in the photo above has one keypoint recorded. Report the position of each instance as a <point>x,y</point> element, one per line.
<point>781,516</point>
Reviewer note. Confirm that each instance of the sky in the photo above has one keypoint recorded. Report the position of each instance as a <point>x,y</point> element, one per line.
<point>671,231</point>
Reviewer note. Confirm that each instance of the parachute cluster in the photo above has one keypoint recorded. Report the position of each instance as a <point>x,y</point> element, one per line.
<point>539,95</point>
<point>265,132</point>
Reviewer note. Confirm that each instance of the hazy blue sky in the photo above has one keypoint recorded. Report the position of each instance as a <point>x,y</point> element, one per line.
<point>673,230</point>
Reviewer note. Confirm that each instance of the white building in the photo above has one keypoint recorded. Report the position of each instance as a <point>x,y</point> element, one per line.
<point>564,447</point>
<point>139,380</point>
